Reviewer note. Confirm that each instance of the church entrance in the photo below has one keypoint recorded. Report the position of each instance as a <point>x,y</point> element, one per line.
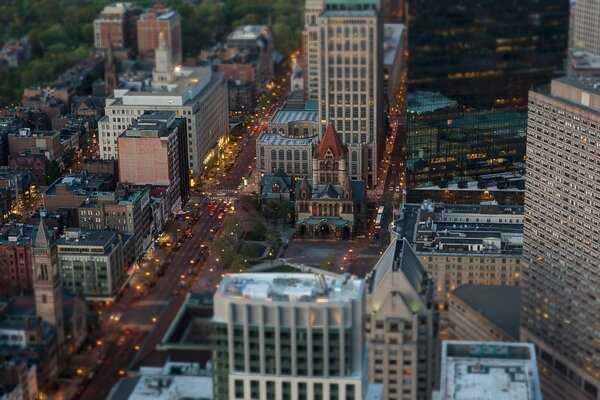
<point>346,233</point>
<point>324,231</point>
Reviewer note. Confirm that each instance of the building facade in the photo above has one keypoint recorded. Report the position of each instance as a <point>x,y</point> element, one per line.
<point>468,244</point>
<point>16,260</point>
<point>289,336</point>
<point>349,68</point>
<point>480,69</point>
<point>154,152</point>
<point>484,312</point>
<point>47,285</point>
<point>156,21</point>
<point>330,205</point>
<point>401,325</point>
<point>501,370</point>
<point>124,210</point>
<point>91,262</point>
<point>194,93</point>
<point>560,256</point>
<point>115,27</point>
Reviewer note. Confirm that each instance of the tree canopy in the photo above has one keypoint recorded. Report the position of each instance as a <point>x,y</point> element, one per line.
<point>61,31</point>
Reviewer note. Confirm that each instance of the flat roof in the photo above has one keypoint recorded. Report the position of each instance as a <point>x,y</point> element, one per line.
<point>292,287</point>
<point>283,116</point>
<point>247,32</point>
<point>501,305</point>
<point>279,140</point>
<point>489,370</point>
<point>163,387</point>
<point>92,238</point>
<point>392,37</point>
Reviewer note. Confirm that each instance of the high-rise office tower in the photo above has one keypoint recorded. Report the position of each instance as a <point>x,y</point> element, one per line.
<point>561,256</point>
<point>152,25</point>
<point>586,26</point>
<point>347,36</point>
<point>290,337</point>
<point>47,286</point>
<point>471,64</point>
<point>401,325</point>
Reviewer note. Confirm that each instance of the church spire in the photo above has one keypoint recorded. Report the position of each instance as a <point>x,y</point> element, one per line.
<point>43,237</point>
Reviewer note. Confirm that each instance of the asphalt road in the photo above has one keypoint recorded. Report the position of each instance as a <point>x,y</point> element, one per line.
<point>154,308</point>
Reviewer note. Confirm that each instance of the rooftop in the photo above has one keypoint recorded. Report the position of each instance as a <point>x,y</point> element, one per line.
<point>247,32</point>
<point>283,116</point>
<point>392,37</point>
<point>82,184</point>
<point>154,124</point>
<point>88,238</point>
<point>163,387</point>
<point>501,305</point>
<point>489,370</point>
<point>279,140</point>
<point>294,287</point>
<point>189,82</point>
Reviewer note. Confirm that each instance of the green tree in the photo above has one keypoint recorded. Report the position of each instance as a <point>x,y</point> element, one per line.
<point>52,172</point>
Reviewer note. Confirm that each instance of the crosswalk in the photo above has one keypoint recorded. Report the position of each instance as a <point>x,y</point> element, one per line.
<point>138,327</point>
<point>376,245</point>
<point>153,303</point>
<point>374,256</point>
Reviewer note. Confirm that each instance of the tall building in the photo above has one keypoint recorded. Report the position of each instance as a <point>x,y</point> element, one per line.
<point>348,36</point>
<point>47,286</point>
<point>470,67</point>
<point>155,22</point>
<point>153,151</point>
<point>401,325</point>
<point>586,26</point>
<point>290,336</point>
<point>195,93</point>
<point>560,275</point>
<point>115,26</point>
<point>91,263</point>
<point>490,370</point>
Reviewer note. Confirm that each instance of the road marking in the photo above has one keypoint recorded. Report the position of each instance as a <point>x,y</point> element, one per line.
<point>369,256</point>
<point>139,327</point>
<point>152,303</point>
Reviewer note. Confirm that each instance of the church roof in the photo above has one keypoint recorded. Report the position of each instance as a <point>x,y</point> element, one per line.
<point>43,237</point>
<point>330,141</point>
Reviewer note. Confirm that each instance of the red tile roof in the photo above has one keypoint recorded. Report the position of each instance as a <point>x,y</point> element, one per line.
<point>330,141</point>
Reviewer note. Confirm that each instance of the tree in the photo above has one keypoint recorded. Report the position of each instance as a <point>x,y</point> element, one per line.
<point>52,172</point>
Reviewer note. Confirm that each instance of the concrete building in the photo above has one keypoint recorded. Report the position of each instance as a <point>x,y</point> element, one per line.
<point>42,142</point>
<point>156,21</point>
<point>494,370</point>
<point>401,325</point>
<point>466,244</point>
<point>394,46</point>
<point>586,25</point>
<point>47,287</point>
<point>124,210</point>
<point>33,164</point>
<point>255,41</point>
<point>560,255</point>
<point>331,204</point>
<point>349,69</point>
<point>484,312</point>
<point>17,379</point>
<point>194,93</point>
<point>175,380</point>
<point>91,263</point>
<point>289,336</point>
<point>288,143</point>
<point>153,151</point>
<point>115,27</point>
<point>16,259</point>
<point>67,193</point>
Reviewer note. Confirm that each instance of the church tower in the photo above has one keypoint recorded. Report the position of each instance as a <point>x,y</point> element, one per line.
<point>47,284</point>
<point>163,68</point>
<point>110,72</point>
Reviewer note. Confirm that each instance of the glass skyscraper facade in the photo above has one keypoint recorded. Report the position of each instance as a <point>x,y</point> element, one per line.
<point>471,64</point>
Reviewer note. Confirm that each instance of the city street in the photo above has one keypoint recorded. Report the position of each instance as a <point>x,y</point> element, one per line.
<point>145,306</point>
